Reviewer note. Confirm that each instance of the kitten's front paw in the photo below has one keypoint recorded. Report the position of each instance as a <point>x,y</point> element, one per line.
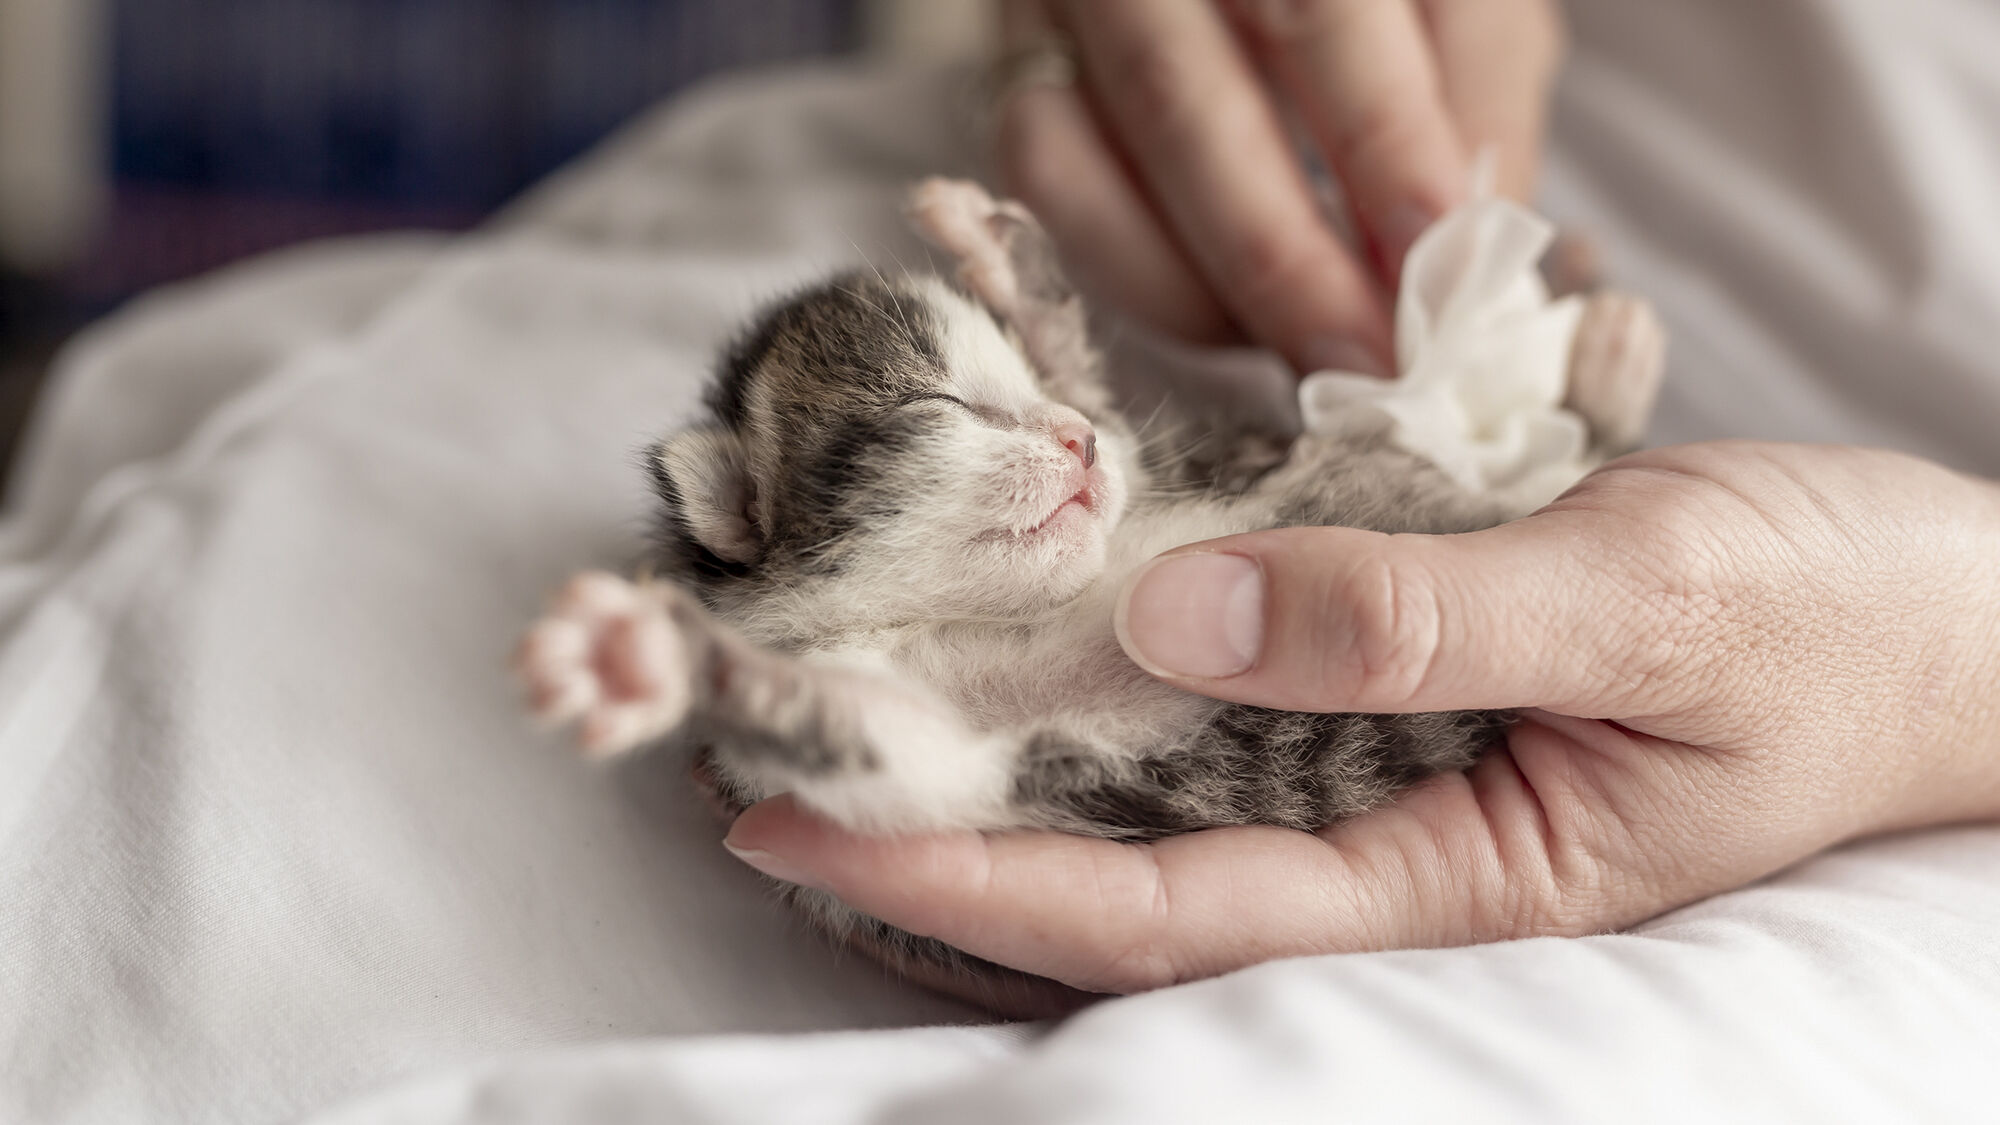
<point>618,656</point>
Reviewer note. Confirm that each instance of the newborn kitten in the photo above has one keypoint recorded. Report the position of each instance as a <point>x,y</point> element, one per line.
<point>894,552</point>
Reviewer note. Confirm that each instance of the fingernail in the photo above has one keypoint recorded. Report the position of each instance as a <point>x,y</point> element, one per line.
<point>777,867</point>
<point>1193,616</point>
<point>1399,231</point>
<point>1330,353</point>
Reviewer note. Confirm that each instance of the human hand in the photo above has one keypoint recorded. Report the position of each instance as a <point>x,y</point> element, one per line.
<point>1169,181</point>
<point>1741,654</point>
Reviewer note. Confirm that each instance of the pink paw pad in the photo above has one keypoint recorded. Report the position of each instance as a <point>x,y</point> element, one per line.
<point>609,655</point>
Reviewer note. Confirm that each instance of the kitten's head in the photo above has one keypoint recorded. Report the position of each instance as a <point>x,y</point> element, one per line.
<point>886,449</point>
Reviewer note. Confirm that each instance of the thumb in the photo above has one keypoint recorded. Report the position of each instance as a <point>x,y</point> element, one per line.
<point>1544,612</point>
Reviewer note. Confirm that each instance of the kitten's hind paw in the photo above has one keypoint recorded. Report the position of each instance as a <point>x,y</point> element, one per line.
<point>958,217</point>
<point>1007,262</point>
<point>617,657</point>
<point>1615,368</point>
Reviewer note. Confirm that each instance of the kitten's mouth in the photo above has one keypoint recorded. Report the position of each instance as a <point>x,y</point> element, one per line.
<point>1082,499</point>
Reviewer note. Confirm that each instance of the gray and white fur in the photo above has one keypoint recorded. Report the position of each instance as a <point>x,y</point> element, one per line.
<point>888,563</point>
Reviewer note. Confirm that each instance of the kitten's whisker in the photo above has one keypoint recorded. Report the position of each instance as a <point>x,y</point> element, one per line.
<point>906,276</point>
<point>896,313</point>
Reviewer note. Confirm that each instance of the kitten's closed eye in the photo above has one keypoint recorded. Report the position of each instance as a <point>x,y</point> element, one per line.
<point>984,415</point>
<point>940,396</point>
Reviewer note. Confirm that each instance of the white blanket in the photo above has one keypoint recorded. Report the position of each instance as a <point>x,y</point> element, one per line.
<point>274,839</point>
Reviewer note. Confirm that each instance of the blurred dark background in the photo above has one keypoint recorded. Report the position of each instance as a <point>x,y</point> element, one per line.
<point>194,132</point>
<point>239,124</point>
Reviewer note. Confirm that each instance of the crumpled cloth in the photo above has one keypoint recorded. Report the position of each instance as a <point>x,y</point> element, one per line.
<point>1482,359</point>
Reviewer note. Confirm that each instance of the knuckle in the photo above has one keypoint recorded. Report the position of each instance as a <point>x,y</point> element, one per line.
<point>1570,896</point>
<point>1145,959</point>
<point>1391,615</point>
<point>1272,268</point>
<point>1282,23</point>
<point>1571,905</point>
<point>1170,110</point>
<point>1566,870</point>
<point>1159,88</point>
<point>1375,132</point>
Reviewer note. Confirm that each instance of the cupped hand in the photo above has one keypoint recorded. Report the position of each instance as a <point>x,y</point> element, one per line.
<point>1168,177</point>
<point>1738,655</point>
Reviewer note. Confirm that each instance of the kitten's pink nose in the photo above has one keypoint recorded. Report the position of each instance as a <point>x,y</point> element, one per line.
<point>1079,439</point>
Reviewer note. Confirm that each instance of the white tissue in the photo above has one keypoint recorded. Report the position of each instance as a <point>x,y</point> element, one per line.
<point>1482,356</point>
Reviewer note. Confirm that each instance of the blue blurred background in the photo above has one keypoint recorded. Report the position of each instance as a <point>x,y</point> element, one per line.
<point>240,124</point>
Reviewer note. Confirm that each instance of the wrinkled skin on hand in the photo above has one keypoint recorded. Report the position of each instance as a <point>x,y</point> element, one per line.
<point>1736,655</point>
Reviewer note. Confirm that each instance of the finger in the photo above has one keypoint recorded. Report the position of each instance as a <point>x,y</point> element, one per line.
<point>1055,160</point>
<point>1492,854</point>
<point>1093,914</point>
<point>1181,99</point>
<point>1363,75</point>
<point>1496,61</point>
<point>1568,610</point>
<point>1054,157</point>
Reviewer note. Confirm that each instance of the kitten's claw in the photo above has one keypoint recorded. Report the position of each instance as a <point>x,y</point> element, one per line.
<point>615,656</point>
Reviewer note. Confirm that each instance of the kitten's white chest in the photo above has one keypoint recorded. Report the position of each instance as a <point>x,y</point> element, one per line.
<point>1067,663</point>
<point>999,675</point>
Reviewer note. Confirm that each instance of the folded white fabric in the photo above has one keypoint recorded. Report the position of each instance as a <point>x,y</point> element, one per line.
<point>1482,355</point>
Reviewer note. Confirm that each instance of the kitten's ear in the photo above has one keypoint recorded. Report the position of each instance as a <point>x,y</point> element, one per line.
<point>704,475</point>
